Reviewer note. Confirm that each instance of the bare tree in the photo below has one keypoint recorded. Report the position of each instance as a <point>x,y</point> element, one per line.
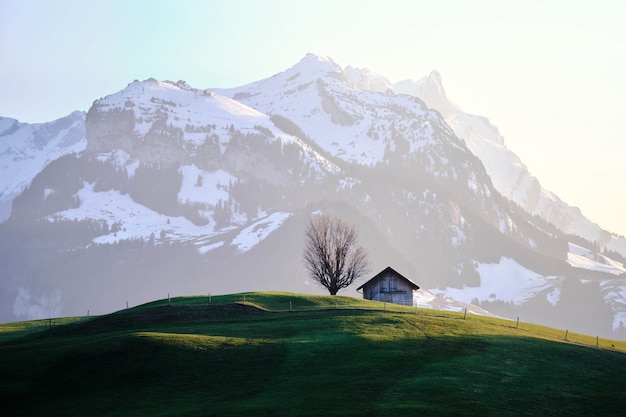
<point>331,253</point>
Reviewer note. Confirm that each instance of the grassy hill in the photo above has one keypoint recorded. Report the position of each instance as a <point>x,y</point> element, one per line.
<point>279,354</point>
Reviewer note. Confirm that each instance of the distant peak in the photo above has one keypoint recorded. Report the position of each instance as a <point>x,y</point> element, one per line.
<point>435,77</point>
<point>311,67</point>
<point>319,58</point>
<point>319,62</point>
<point>364,79</point>
<point>181,84</point>
<point>430,90</point>
<point>432,85</point>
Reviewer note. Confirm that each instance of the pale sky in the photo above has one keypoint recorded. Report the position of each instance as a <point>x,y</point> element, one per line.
<point>550,74</point>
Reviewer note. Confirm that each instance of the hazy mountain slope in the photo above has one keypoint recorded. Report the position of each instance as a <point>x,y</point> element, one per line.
<point>509,175</point>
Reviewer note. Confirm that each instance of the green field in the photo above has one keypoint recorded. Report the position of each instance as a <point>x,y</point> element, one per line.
<point>280,354</point>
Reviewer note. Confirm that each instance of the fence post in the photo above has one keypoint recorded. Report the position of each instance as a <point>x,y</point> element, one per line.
<point>126,305</point>
<point>465,315</point>
<point>566,331</point>
<point>209,298</point>
<point>597,342</point>
<point>517,324</point>
<point>244,298</point>
<point>290,306</point>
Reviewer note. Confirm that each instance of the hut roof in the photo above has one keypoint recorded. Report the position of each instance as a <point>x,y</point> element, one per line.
<point>389,270</point>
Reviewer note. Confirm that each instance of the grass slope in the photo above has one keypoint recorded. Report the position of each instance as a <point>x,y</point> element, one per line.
<point>295,355</point>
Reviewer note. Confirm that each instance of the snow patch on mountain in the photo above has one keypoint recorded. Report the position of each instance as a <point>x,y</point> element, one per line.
<point>259,230</point>
<point>554,296</point>
<point>127,219</point>
<point>506,281</point>
<point>615,295</point>
<point>580,257</point>
<point>426,299</point>
<point>617,244</point>
<point>200,186</point>
<point>120,158</point>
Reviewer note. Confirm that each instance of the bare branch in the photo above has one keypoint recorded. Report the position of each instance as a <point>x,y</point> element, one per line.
<point>331,254</point>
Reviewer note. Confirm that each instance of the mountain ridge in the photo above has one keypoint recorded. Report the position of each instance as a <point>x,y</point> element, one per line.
<point>511,177</point>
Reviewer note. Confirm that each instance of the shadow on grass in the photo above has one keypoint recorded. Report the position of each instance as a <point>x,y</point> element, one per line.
<point>240,360</point>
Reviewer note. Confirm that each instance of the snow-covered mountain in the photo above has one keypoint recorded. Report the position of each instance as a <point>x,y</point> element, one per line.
<point>182,190</point>
<point>25,149</point>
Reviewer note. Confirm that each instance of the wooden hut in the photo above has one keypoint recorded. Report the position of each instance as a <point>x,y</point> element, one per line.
<point>389,286</point>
